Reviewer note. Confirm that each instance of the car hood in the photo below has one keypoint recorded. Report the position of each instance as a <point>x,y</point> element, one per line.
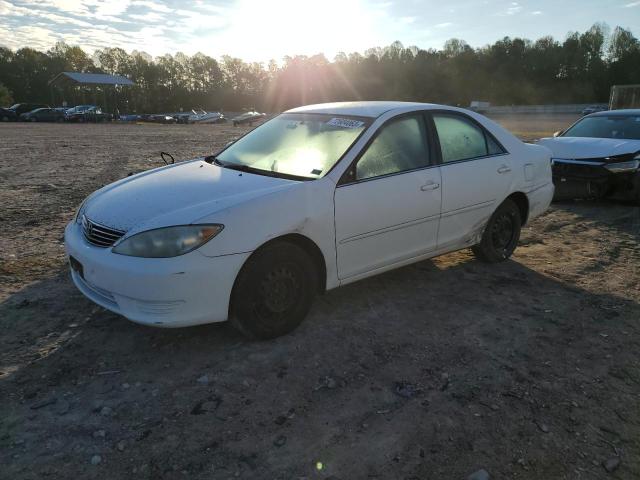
<point>175,195</point>
<point>583,147</point>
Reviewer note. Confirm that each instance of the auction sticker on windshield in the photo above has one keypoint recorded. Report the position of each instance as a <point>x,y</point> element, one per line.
<point>345,123</point>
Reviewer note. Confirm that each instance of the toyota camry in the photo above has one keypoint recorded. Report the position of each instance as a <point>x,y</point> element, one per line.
<point>315,198</point>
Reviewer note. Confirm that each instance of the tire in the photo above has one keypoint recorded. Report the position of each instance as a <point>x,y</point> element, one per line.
<point>33,119</point>
<point>636,189</point>
<point>501,235</point>
<point>273,291</point>
<point>5,118</point>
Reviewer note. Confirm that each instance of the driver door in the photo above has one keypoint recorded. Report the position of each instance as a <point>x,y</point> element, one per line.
<point>387,206</point>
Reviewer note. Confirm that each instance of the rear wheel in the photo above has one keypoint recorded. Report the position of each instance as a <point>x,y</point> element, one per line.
<point>274,291</point>
<point>501,235</point>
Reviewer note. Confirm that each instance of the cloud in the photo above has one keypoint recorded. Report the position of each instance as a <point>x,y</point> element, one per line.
<point>7,9</point>
<point>149,17</point>
<point>256,30</point>
<point>156,7</point>
<point>512,9</point>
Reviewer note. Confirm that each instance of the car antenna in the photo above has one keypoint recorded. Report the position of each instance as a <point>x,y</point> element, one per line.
<point>162,156</point>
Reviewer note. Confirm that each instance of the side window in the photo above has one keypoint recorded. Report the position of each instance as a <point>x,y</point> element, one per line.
<point>399,146</point>
<point>493,146</point>
<point>461,139</point>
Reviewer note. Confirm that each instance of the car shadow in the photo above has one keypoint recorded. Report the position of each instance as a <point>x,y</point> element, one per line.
<point>452,356</point>
<point>608,213</point>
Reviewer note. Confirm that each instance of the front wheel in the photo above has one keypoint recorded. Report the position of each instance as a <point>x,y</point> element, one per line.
<point>636,189</point>
<point>274,291</point>
<point>501,235</point>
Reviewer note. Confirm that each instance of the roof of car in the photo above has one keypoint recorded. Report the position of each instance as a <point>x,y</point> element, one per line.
<point>359,109</point>
<point>614,113</point>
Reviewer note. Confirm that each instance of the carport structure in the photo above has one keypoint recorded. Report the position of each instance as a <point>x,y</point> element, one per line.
<point>71,85</point>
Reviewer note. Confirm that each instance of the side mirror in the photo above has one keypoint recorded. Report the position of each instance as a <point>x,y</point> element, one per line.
<point>558,133</point>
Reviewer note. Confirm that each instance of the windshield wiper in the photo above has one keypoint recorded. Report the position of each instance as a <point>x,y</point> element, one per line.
<point>213,159</point>
<point>258,171</point>
<point>241,168</point>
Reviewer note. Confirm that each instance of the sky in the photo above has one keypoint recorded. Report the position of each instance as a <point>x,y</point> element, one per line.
<point>256,30</point>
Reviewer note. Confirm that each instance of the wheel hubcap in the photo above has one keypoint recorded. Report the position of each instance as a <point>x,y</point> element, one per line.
<point>279,290</point>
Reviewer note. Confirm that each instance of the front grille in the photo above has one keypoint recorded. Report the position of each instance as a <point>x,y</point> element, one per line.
<point>579,170</point>
<point>99,235</point>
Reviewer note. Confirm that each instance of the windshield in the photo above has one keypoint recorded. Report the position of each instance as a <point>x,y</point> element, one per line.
<point>301,145</point>
<point>614,126</point>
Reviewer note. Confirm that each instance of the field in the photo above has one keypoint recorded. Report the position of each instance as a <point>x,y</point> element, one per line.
<point>528,369</point>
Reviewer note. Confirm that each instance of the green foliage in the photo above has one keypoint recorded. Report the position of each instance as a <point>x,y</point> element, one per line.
<point>579,69</point>
<point>5,96</point>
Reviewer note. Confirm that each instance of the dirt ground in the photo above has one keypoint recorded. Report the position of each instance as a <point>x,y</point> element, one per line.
<point>528,369</point>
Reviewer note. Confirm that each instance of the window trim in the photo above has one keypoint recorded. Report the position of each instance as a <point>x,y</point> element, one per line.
<point>431,113</point>
<point>428,136</point>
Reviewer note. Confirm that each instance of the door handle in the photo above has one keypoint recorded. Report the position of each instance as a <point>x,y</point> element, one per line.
<point>504,169</point>
<point>430,186</point>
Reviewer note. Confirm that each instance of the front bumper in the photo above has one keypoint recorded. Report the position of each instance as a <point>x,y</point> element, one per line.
<point>585,179</point>
<point>165,292</point>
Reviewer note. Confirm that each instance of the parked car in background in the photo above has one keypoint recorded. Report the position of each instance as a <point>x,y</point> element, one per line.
<point>20,108</point>
<point>43,115</point>
<point>248,118</point>
<point>318,197</point>
<point>79,109</point>
<point>182,117</point>
<point>132,117</point>
<point>479,106</point>
<point>598,156</point>
<point>206,117</point>
<point>594,108</point>
<point>7,115</point>
<point>86,113</point>
<point>159,118</point>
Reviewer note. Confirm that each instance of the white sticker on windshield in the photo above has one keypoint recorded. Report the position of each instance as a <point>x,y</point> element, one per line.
<point>345,123</point>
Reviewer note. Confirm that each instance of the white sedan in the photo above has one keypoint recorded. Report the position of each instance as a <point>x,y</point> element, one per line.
<point>318,197</point>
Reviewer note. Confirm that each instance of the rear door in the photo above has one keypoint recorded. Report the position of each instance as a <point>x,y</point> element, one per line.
<point>476,176</point>
<point>387,205</point>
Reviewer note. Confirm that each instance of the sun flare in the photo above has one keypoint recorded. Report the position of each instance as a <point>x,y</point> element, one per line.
<point>259,30</point>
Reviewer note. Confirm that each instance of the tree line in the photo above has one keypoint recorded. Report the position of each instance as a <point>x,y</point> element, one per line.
<point>579,69</point>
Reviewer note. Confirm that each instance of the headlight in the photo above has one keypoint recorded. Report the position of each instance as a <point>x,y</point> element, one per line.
<point>621,167</point>
<point>167,242</point>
